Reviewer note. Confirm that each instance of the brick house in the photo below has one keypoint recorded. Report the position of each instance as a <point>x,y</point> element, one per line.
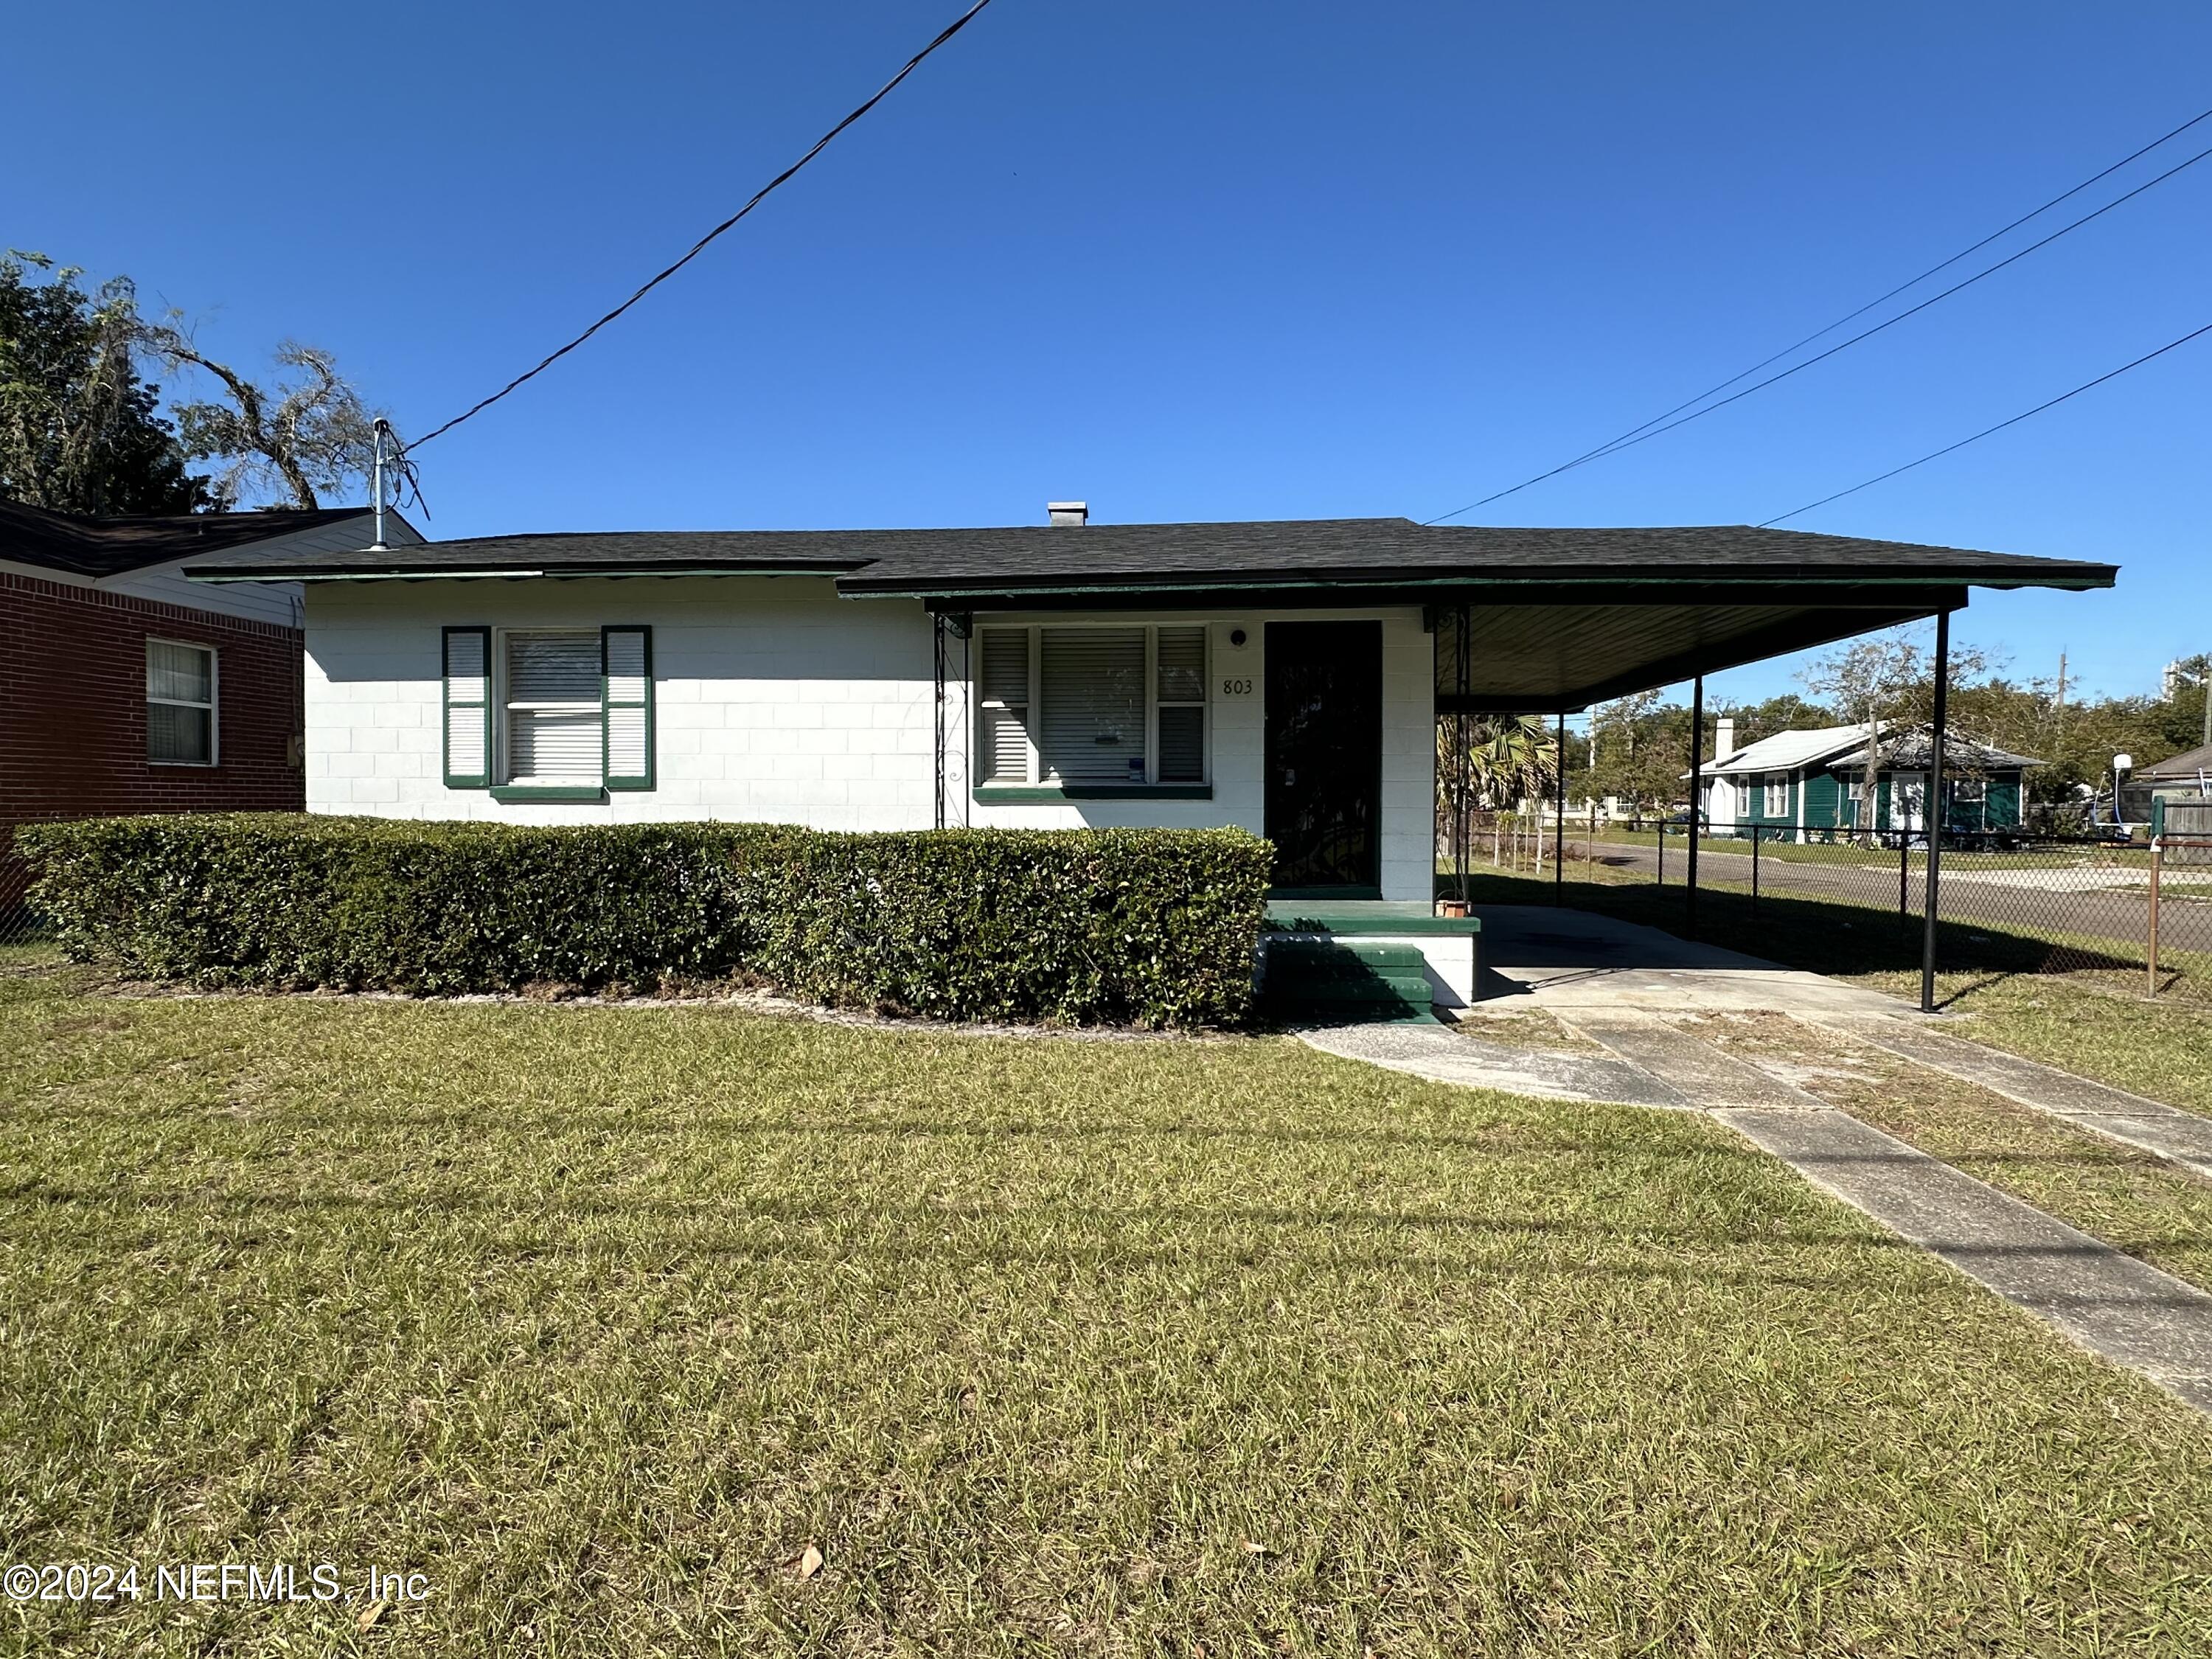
<point>129,690</point>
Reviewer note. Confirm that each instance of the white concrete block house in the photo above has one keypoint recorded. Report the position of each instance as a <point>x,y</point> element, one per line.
<point>1285,677</point>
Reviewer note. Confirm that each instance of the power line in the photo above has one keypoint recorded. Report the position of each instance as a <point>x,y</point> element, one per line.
<point>1934,454</point>
<point>1841,345</point>
<point>1852,316</point>
<point>700,246</point>
<point>1653,427</point>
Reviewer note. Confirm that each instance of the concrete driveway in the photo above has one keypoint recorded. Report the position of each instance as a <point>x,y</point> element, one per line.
<point>1563,961</point>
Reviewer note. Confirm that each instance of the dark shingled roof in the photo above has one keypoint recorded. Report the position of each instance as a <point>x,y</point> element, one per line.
<point>1038,558</point>
<point>110,546</point>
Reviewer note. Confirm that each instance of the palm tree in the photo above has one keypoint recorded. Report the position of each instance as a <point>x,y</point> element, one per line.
<point>1509,758</point>
<point>1492,761</point>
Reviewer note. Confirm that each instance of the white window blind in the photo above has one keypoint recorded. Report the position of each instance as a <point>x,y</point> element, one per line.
<point>1777,794</point>
<point>180,704</point>
<point>1002,735</point>
<point>1095,707</point>
<point>553,721</point>
<point>1181,695</point>
<point>1091,682</point>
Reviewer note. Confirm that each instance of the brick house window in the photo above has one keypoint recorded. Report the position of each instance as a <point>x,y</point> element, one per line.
<point>180,704</point>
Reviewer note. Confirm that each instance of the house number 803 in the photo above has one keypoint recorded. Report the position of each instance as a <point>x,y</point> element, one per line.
<point>1236,687</point>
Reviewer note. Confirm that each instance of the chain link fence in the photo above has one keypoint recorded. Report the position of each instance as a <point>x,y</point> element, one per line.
<point>2131,915</point>
<point>19,924</point>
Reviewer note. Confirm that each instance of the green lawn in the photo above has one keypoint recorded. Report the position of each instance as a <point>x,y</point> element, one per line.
<point>600,1317</point>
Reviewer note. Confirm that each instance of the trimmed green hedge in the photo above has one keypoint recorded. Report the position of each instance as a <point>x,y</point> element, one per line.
<point>1135,926</point>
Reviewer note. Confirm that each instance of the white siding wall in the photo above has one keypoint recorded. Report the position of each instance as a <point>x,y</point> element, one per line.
<point>777,701</point>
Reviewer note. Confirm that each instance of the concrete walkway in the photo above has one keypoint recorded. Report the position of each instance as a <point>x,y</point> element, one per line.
<point>2108,1302</point>
<point>2150,1126</point>
<point>1441,1053</point>
<point>1716,1079</point>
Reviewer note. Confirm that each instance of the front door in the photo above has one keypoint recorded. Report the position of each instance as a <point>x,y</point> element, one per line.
<point>1908,800</point>
<point>1325,757</point>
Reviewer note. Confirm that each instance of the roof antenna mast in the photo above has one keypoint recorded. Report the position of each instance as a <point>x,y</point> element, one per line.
<point>383,435</point>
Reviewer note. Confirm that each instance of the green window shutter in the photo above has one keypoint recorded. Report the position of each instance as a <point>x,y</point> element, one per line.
<point>467,668</point>
<point>626,700</point>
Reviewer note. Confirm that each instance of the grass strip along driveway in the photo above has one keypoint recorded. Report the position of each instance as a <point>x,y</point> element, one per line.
<point>2130,1198</point>
<point>685,1330</point>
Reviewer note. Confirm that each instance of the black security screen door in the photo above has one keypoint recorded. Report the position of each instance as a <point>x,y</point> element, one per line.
<point>1325,756</point>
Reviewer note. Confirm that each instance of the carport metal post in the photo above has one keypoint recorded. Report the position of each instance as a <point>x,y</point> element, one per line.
<point>1560,820</point>
<point>1932,812</point>
<point>1696,780</point>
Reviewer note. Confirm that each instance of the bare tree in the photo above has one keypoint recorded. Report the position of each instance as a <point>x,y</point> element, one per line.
<point>1885,680</point>
<point>298,437</point>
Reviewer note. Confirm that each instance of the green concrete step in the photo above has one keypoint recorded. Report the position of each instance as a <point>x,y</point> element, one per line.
<point>1352,920</point>
<point>1408,981</point>
<point>1327,959</point>
<point>1344,980</point>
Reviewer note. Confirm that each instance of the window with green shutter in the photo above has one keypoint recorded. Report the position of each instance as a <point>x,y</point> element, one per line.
<point>549,713</point>
<point>554,734</point>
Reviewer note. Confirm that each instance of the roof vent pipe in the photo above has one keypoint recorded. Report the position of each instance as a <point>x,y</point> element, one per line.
<point>1067,512</point>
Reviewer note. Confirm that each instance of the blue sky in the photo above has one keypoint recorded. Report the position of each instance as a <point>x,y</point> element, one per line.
<point>1235,260</point>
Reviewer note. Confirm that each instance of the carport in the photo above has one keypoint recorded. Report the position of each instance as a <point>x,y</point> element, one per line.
<point>1521,621</point>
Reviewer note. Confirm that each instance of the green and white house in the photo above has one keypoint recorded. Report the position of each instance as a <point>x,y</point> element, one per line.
<point>1809,783</point>
<point>1283,678</point>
